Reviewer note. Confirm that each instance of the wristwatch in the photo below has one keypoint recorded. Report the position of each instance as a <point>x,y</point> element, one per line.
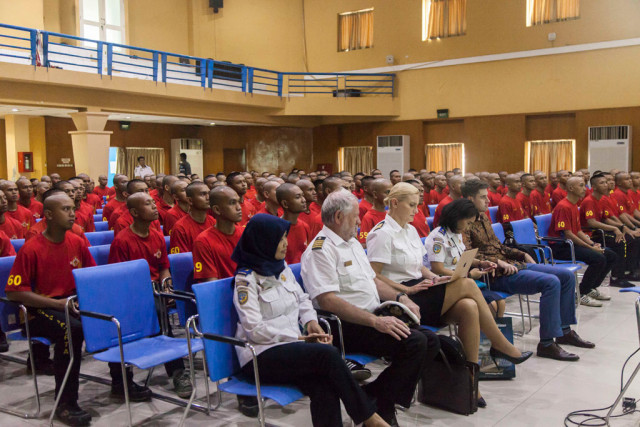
<point>400,295</point>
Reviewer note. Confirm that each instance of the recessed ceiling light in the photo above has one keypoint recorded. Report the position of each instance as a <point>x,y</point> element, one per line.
<point>128,117</point>
<point>14,109</point>
<point>212,124</point>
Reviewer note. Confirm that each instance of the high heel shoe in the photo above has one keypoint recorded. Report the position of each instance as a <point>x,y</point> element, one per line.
<point>482,403</point>
<point>497,354</point>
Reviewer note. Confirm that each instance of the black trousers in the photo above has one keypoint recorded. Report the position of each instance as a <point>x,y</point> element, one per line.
<point>628,253</point>
<point>599,264</point>
<point>396,383</point>
<point>319,371</point>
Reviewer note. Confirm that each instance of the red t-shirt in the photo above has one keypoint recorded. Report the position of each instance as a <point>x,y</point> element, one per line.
<point>12,228</point>
<point>212,251</point>
<point>84,220</point>
<point>266,212</point>
<point>125,220</point>
<point>23,216</point>
<point>101,192</point>
<point>36,208</point>
<point>315,208</point>
<point>436,197</point>
<point>540,204</point>
<point>49,275</point>
<point>420,223</point>
<point>509,210</point>
<point>557,195</point>
<point>128,246</point>
<point>39,227</point>
<point>565,216</point>
<point>94,201</point>
<point>257,205</point>
<point>359,193</point>
<point>306,217</point>
<point>623,201</point>
<point>494,198</point>
<point>185,232</point>
<point>363,208</point>
<point>315,225</point>
<point>298,238</point>
<point>368,222</point>
<point>174,215</point>
<point>110,208</point>
<point>635,196</point>
<point>593,208</point>
<point>525,204</point>
<point>550,188</point>
<point>6,248</point>
<point>446,190</point>
<point>116,214</point>
<point>438,213</point>
<point>248,210</point>
<point>163,208</point>
<point>111,194</point>
<point>608,201</point>
<point>502,190</point>
<point>251,193</point>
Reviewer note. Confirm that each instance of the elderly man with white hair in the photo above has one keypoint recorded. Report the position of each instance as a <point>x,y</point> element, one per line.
<point>338,277</point>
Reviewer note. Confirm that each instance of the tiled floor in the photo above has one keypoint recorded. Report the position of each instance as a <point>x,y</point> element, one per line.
<point>543,392</point>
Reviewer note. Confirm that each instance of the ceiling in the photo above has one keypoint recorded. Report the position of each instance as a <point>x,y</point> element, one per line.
<point>64,112</point>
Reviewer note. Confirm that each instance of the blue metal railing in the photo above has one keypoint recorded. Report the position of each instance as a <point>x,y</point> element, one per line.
<point>49,49</point>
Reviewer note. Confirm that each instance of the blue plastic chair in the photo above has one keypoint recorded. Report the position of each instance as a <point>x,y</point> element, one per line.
<point>493,213</point>
<point>430,222</point>
<point>17,244</point>
<point>498,231</point>
<point>97,218</point>
<point>10,322</point>
<point>99,212</point>
<point>218,320</point>
<point>544,223</point>
<point>432,210</point>
<point>100,254</point>
<point>122,294</point>
<point>102,226</point>
<point>181,267</point>
<point>98,238</point>
<point>167,240</point>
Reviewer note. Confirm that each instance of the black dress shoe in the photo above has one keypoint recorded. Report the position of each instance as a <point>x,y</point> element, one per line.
<point>248,406</point>
<point>632,276</point>
<point>497,354</point>
<point>137,393</point>
<point>620,283</point>
<point>572,338</point>
<point>43,367</point>
<point>554,351</point>
<point>483,403</point>
<point>73,415</point>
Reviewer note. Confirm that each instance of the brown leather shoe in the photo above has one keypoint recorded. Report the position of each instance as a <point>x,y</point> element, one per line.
<point>554,351</point>
<point>572,338</point>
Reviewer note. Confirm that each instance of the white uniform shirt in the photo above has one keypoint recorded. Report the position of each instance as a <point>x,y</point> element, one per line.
<point>142,171</point>
<point>398,248</point>
<point>270,311</point>
<point>331,264</point>
<point>444,246</point>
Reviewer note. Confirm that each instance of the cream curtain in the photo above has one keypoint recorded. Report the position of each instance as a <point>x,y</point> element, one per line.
<point>444,157</point>
<point>545,11</point>
<point>357,159</point>
<point>551,156</point>
<point>444,18</point>
<point>355,30</point>
<point>128,159</point>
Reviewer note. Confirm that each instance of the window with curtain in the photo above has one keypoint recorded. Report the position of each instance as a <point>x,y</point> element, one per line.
<point>550,156</point>
<point>445,157</point>
<point>355,30</point>
<point>355,159</point>
<point>443,18</point>
<point>128,159</point>
<point>545,11</point>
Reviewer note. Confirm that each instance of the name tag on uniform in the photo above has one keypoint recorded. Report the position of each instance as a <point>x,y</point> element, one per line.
<point>348,263</point>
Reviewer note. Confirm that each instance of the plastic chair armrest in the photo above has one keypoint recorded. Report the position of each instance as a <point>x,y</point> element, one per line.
<point>100,316</point>
<point>168,295</point>
<point>225,339</point>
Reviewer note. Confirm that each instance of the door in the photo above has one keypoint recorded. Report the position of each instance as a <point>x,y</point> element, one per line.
<point>234,160</point>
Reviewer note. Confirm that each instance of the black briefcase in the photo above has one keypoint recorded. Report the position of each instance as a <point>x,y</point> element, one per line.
<point>450,382</point>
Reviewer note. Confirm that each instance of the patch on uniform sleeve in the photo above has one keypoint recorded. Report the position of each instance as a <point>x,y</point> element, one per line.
<point>317,244</point>
<point>379,226</point>
<point>442,231</point>
<point>243,271</point>
<point>437,248</point>
<point>243,295</point>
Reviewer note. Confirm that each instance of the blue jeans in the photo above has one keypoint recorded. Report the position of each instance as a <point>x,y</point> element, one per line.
<point>557,303</point>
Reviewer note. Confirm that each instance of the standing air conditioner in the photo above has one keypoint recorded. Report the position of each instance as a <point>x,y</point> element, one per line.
<point>609,148</point>
<point>193,149</point>
<point>393,153</point>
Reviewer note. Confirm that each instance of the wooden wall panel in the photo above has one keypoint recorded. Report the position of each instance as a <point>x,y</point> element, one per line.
<point>494,143</point>
<point>551,126</point>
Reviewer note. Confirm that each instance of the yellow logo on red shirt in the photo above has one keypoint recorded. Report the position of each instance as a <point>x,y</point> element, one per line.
<point>158,254</point>
<point>75,262</point>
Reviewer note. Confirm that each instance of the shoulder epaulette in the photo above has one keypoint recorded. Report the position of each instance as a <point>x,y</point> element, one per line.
<point>379,226</point>
<point>442,231</point>
<point>317,244</point>
<point>243,272</point>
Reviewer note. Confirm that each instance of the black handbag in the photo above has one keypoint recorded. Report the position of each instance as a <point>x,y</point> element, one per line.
<point>450,382</point>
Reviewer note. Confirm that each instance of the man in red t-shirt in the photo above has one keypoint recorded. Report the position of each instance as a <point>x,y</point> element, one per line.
<point>180,207</point>
<point>195,222</point>
<point>328,186</point>
<point>141,241</point>
<point>40,190</point>
<point>561,190</point>
<point>553,183</point>
<point>101,190</point>
<point>509,208</point>
<point>258,201</point>
<point>524,196</point>
<point>39,227</point>
<point>42,283</point>
<point>367,199</point>
<point>293,204</point>
<point>502,188</point>
<point>539,198</point>
<point>84,212</point>
<point>120,186</point>
<point>14,210</point>
<point>494,194</point>
<point>380,189</point>
<point>565,222</point>
<point>55,178</point>
<point>419,220</point>
<point>357,180</point>
<point>237,182</point>
<point>627,208</point>
<point>212,249</point>
<point>163,198</point>
<point>25,191</point>
<point>438,193</point>
<point>8,225</point>
<point>92,199</point>
<point>124,216</point>
<point>310,196</point>
<point>455,192</point>
<point>427,181</point>
<point>271,206</point>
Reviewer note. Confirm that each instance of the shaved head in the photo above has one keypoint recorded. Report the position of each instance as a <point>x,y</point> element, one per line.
<point>178,185</point>
<point>221,194</point>
<point>56,200</point>
<point>512,178</point>
<point>270,185</point>
<point>136,200</point>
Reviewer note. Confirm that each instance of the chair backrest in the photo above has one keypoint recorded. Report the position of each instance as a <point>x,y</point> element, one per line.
<point>543,222</point>
<point>9,313</point>
<point>432,209</point>
<point>101,226</point>
<point>524,231</point>
<point>167,240</point>
<point>122,290</point>
<point>97,218</point>
<point>430,222</point>
<point>498,231</point>
<point>218,316</point>
<point>422,239</point>
<point>100,253</point>
<point>17,244</point>
<point>99,212</point>
<point>493,213</point>
<point>295,269</point>
<point>181,266</point>
<point>98,238</point>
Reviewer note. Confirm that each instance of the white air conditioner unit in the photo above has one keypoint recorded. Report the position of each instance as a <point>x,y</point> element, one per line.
<point>193,149</point>
<point>393,153</point>
<point>609,148</point>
